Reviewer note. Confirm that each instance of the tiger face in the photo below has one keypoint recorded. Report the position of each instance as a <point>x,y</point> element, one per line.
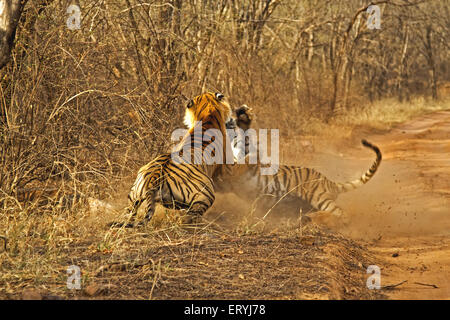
<point>244,117</point>
<point>205,106</point>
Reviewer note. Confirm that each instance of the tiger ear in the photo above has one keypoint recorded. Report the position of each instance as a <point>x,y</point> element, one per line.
<point>190,104</point>
<point>219,96</point>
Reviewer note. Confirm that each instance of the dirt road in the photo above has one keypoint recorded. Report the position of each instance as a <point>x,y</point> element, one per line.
<point>419,249</point>
<point>403,214</point>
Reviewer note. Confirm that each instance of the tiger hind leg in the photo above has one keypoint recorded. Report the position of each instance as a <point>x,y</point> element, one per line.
<point>151,199</point>
<point>329,206</point>
<point>131,211</point>
<point>195,212</point>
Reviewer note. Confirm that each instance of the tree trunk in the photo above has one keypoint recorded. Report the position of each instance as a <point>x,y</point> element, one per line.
<point>348,82</point>
<point>402,72</point>
<point>431,63</point>
<point>10,11</point>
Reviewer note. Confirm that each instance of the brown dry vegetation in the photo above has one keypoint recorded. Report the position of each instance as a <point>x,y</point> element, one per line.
<point>82,110</point>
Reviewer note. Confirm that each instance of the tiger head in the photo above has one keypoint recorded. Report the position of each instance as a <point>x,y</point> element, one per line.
<point>206,106</point>
<point>244,117</point>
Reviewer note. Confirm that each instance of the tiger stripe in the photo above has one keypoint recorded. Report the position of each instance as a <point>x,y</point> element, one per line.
<point>295,182</point>
<point>185,185</point>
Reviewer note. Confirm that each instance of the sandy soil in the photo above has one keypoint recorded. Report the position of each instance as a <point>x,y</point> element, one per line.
<point>422,241</point>
<point>403,214</point>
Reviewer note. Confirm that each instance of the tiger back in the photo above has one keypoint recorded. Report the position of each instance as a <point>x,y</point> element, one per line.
<point>185,184</point>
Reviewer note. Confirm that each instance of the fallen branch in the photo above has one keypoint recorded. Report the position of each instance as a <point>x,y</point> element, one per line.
<point>426,284</point>
<point>392,286</point>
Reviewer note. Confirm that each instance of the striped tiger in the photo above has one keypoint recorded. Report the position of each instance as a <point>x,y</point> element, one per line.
<point>240,143</point>
<point>185,185</point>
<point>306,185</point>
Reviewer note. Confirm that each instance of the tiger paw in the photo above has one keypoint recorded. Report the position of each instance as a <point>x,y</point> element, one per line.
<point>330,220</point>
<point>305,220</point>
<point>191,219</point>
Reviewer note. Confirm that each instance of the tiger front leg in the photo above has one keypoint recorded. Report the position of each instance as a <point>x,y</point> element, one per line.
<point>335,218</point>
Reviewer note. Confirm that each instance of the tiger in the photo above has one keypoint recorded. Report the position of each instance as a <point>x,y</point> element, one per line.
<point>236,127</point>
<point>307,186</point>
<point>185,185</point>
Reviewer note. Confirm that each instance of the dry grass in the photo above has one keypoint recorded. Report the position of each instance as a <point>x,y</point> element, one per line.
<point>173,262</point>
<point>386,113</point>
<point>381,115</point>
